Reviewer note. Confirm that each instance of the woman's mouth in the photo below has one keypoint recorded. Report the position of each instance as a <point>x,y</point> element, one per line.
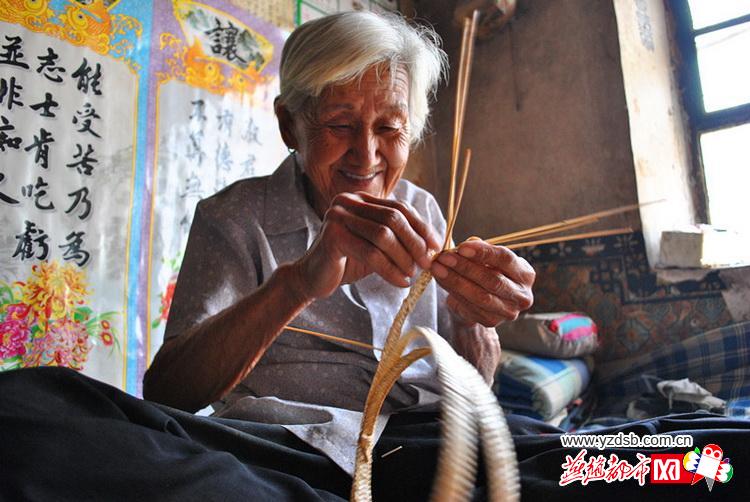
<point>359,178</point>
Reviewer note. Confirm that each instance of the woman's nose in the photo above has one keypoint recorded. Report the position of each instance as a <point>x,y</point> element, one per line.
<point>365,149</point>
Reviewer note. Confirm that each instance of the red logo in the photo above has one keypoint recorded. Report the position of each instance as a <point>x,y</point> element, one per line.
<point>667,468</point>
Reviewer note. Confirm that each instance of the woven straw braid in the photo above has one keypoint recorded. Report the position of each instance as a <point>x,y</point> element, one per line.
<point>415,293</point>
<point>469,412</point>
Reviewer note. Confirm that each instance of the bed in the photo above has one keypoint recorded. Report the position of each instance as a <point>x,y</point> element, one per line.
<point>64,436</point>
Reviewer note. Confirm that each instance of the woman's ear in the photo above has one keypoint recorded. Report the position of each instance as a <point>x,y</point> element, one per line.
<point>286,124</point>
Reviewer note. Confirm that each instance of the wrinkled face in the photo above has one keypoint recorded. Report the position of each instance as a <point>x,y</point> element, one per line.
<point>356,138</point>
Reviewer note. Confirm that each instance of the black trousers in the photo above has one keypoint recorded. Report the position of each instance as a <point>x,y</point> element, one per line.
<point>64,436</point>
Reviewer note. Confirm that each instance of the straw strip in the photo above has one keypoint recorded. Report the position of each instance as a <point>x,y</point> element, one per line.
<point>406,307</point>
<point>461,187</point>
<point>467,70</point>
<point>333,338</point>
<point>563,238</point>
<point>567,224</point>
<point>462,85</point>
<point>560,225</point>
<point>457,117</point>
<point>391,451</point>
<point>505,242</point>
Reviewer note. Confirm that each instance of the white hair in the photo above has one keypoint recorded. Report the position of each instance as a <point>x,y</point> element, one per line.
<point>340,48</point>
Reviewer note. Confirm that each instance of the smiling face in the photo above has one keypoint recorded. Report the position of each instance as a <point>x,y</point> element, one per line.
<point>356,137</point>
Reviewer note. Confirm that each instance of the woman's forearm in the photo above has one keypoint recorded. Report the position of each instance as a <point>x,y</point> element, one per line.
<point>201,366</point>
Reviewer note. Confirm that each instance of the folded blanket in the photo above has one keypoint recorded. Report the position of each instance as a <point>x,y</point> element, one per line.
<point>540,387</point>
<point>718,360</point>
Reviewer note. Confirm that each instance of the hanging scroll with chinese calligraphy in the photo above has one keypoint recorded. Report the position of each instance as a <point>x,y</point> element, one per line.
<point>216,77</point>
<point>116,118</point>
<point>69,90</point>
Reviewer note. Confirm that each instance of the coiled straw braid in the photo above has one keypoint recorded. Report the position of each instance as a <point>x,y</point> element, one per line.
<point>469,412</point>
<point>469,409</point>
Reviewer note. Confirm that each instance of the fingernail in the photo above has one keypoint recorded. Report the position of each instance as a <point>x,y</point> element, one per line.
<point>448,259</point>
<point>439,271</point>
<point>467,251</point>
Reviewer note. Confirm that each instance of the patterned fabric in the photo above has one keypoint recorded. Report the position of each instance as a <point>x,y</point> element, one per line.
<point>718,360</point>
<point>558,335</point>
<point>540,387</point>
<point>609,279</point>
<point>572,326</point>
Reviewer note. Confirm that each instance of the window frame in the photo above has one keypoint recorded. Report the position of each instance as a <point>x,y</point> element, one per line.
<point>700,121</point>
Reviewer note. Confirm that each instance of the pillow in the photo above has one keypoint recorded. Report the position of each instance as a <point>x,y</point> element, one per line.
<point>540,387</point>
<point>560,335</point>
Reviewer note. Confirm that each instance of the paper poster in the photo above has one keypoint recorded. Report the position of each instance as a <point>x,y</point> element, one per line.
<point>216,78</point>
<point>116,118</point>
<point>279,13</point>
<point>69,94</point>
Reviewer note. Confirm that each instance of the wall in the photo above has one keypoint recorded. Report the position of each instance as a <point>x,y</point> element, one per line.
<point>658,131</point>
<point>546,119</point>
<point>553,133</point>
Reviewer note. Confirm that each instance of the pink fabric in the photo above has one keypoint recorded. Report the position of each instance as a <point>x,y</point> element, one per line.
<point>555,325</point>
<point>579,333</point>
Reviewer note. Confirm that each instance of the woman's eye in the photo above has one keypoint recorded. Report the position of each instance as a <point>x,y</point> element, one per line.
<point>339,127</point>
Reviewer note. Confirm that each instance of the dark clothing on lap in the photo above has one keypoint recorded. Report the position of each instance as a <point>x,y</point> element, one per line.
<point>64,436</point>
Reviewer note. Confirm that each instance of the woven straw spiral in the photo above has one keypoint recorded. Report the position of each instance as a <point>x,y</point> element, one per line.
<point>469,412</point>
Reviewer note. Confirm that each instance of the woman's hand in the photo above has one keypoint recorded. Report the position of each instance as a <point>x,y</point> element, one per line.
<point>362,234</point>
<point>486,284</point>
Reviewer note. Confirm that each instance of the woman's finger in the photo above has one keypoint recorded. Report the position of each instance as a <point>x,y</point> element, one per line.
<point>453,282</point>
<point>500,258</point>
<point>423,228</point>
<point>471,314</point>
<point>417,236</point>
<point>488,279</point>
<point>378,235</point>
<point>353,246</point>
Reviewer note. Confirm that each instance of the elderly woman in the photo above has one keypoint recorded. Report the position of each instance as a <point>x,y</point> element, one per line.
<point>330,242</point>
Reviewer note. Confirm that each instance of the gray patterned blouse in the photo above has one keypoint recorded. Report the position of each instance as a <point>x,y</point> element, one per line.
<point>315,388</point>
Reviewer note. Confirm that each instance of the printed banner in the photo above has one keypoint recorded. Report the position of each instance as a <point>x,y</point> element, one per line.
<point>116,118</point>
<point>70,80</point>
<point>216,78</point>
